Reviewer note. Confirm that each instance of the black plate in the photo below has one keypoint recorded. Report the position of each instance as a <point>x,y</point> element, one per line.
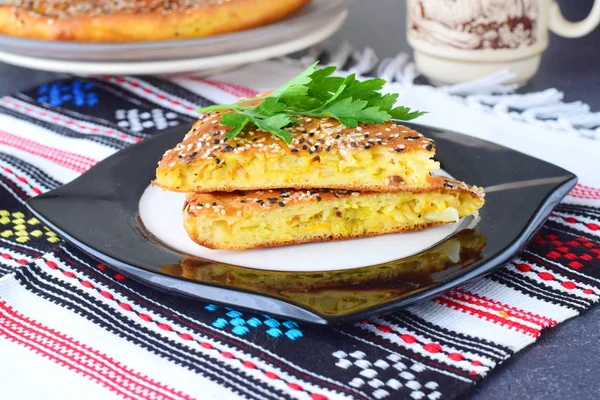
<point>99,213</point>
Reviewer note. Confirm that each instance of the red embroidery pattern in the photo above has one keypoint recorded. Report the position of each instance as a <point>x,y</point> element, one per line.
<point>235,90</point>
<point>575,253</point>
<point>73,161</point>
<point>91,363</point>
<point>585,192</point>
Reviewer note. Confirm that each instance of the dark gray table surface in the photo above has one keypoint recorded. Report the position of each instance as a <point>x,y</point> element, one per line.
<point>563,362</point>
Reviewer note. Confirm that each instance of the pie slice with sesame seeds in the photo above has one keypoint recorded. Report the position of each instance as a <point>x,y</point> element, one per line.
<point>323,154</point>
<point>267,218</point>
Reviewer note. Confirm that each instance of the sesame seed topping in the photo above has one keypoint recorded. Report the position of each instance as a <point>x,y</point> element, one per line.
<point>207,140</point>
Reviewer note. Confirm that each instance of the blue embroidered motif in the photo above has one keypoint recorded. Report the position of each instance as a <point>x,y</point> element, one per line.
<point>79,93</point>
<point>234,320</point>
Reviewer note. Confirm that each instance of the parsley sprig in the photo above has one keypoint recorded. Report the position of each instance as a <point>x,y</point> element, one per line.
<point>315,93</point>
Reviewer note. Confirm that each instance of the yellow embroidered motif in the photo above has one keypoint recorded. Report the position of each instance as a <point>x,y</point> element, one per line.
<point>14,226</point>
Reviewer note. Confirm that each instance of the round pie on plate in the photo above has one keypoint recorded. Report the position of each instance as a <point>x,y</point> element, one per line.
<point>137,20</point>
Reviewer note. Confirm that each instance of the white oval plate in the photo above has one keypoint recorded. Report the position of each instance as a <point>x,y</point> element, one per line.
<point>161,215</point>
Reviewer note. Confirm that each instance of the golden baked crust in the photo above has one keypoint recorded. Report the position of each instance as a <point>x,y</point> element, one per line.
<point>267,218</point>
<point>137,20</point>
<point>383,157</point>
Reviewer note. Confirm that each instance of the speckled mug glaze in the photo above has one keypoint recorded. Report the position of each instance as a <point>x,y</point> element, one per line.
<point>460,40</point>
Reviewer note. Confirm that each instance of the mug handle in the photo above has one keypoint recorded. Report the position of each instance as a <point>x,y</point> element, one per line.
<point>568,29</point>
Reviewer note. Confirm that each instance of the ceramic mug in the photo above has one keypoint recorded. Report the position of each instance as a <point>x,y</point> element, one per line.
<point>460,40</point>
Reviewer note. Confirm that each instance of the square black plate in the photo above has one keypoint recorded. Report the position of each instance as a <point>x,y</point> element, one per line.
<point>99,213</point>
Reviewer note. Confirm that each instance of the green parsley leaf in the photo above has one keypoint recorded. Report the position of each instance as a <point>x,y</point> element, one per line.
<point>314,93</point>
<point>350,112</point>
<point>296,86</point>
<point>237,123</point>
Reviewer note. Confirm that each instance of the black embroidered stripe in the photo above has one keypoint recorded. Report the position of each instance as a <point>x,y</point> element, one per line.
<point>451,338</point>
<point>531,288</point>
<point>581,210</point>
<point>20,248</point>
<point>6,269</point>
<point>13,189</point>
<point>34,172</point>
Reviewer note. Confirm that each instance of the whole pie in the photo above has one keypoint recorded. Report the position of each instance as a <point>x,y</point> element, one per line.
<point>137,20</point>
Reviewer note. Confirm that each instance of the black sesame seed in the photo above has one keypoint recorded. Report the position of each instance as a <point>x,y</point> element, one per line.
<point>180,156</point>
<point>242,201</point>
<point>217,160</point>
<point>214,203</point>
<point>217,141</point>
<point>192,155</point>
<point>399,150</point>
<point>429,147</point>
<point>227,148</point>
<point>328,148</point>
<point>199,205</point>
<point>216,134</point>
<point>367,147</point>
<point>411,137</point>
<point>338,136</point>
<point>281,204</point>
<point>310,152</point>
<point>311,134</point>
<point>294,150</point>
<point>304,147</point>
<point>313,192</point>
<point>366,135</point>
<point>318,198</point>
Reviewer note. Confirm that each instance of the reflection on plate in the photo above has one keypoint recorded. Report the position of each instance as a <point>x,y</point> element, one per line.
<point>337,293</point>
